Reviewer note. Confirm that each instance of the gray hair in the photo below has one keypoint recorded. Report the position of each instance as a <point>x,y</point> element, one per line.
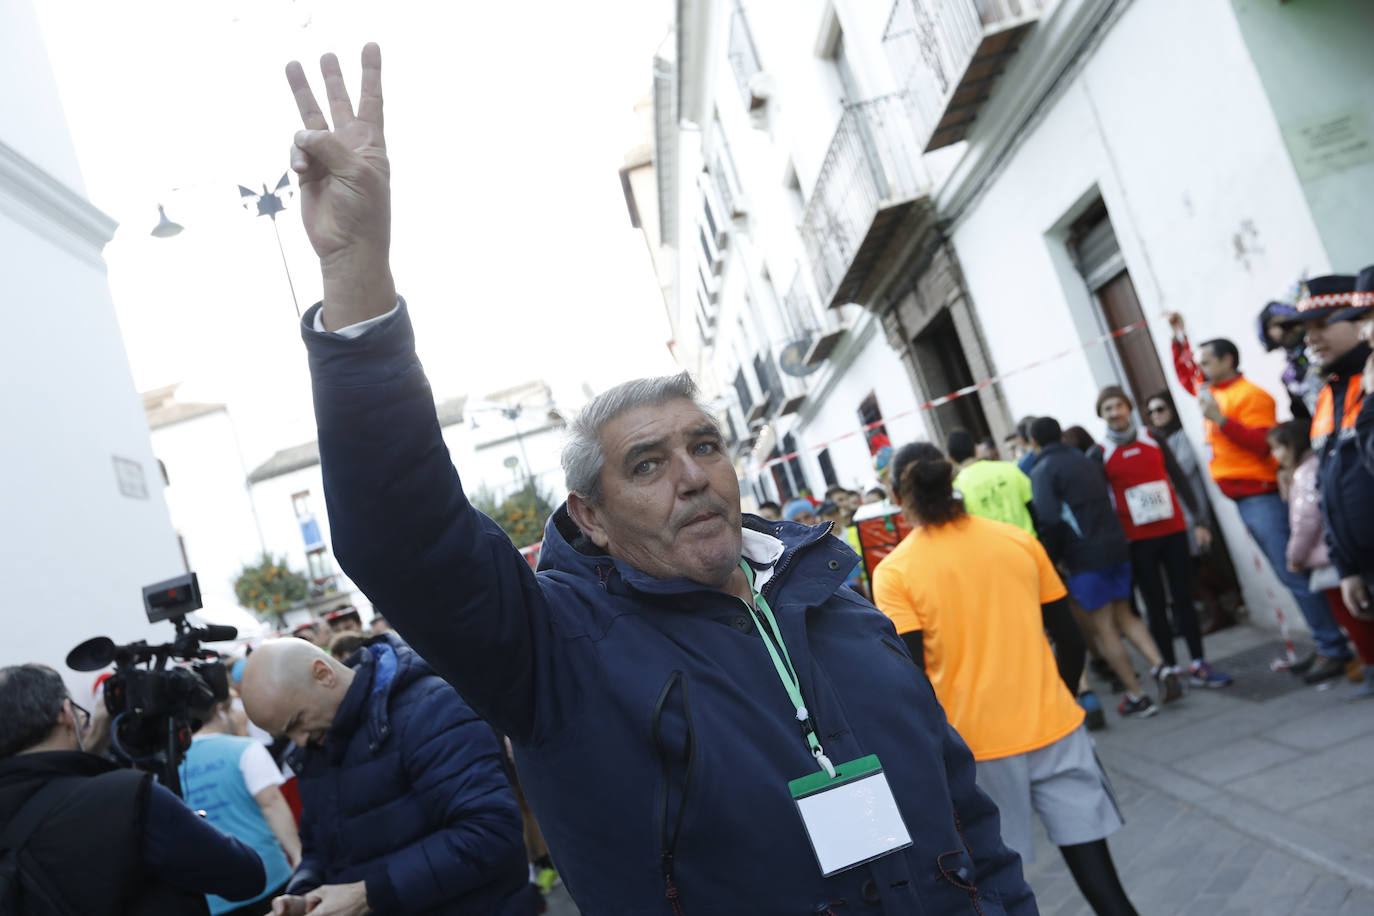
<point>31,696</point>
<point>583,458</point>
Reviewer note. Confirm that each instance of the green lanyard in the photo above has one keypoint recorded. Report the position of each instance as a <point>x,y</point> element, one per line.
<point>782,661</point>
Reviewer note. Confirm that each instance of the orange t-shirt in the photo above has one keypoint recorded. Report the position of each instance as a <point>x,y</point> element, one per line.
<point>974,588</point>
<point>1243,401</point>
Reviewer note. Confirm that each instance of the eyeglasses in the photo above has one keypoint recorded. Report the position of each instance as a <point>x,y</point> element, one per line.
<point>81,714</point>
<point>1159,409</point>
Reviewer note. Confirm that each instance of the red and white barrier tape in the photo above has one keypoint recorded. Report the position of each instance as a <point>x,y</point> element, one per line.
<point>962,392</point>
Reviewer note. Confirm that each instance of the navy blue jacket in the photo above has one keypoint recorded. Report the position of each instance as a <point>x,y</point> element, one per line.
<point>408,794</point>
<point>1345,481</point>
<point>652,734</point>
<point>1063,476</point>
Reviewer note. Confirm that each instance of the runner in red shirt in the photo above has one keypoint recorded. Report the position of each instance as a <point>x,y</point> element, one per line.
<point>1147,484</point>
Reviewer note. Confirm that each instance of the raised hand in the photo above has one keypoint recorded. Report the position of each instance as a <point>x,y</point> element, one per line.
<point>345,183</point>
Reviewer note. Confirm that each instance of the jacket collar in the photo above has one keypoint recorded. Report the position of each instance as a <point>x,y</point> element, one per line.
<point>53,763</point>
<point>1351,364</point>
<point>1228,383</point>
<point>379,669</point>
<point>766,545</point>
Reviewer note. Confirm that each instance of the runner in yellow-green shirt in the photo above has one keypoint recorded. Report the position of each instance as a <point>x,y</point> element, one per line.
<point>998,490</point>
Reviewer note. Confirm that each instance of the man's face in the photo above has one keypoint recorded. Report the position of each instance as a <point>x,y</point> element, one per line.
<point>1329,341</point>
<point>807,518</point>
<point>1213,367</point>
<point>1117,413</point>
<point>349,624</point>
<point>670,504</point>
<point>302,710</point>
<point>850,501</point>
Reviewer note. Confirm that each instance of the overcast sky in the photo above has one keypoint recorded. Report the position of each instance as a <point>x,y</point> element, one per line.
<point>506,124</point>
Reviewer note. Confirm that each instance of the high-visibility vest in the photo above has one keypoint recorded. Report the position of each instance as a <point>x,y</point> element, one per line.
<point>1324,417</point>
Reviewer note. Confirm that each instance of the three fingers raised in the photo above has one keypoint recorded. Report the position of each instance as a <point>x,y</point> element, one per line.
<point>340,105</point>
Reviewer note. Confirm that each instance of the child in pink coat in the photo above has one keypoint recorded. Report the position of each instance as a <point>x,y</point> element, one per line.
<point>1292,448</point>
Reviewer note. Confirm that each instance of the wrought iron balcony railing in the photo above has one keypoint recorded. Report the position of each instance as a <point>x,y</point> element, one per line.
<point>871,174</point>
<point>949,55</point>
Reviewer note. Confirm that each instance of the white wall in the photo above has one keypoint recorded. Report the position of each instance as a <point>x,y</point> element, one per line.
<point>74,552</point>
<point>207,495</point>
<point>872,367</point>
<point>1171,125</point>
<point>1315,61</point>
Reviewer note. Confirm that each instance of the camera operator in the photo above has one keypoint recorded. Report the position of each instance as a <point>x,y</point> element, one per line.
<point>93,839</point>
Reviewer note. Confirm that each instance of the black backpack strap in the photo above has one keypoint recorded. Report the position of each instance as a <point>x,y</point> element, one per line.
<point>22,825</point>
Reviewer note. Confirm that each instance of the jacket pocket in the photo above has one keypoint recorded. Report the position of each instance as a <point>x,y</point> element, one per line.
<point>675,743</point>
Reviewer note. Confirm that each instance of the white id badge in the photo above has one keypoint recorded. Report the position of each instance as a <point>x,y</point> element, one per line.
<point>1150,502</point>
<point>851,819</point>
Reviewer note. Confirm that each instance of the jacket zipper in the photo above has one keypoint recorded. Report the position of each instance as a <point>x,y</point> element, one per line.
<point>787,560</point>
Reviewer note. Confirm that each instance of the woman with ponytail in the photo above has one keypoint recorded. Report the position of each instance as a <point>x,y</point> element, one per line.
<point>972,599</point>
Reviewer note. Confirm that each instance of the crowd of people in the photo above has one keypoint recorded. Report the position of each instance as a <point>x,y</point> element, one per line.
<point>706,712</point>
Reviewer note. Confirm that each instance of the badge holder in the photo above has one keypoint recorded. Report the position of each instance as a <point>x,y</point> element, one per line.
<point>851,818</point>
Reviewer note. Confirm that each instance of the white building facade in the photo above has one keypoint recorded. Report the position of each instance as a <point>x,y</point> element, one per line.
<point>967,196</point>
<point>86,525</point>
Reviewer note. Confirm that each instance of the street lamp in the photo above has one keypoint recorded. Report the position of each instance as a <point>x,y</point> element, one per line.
<point>165,228</point>
<point>269,205</point>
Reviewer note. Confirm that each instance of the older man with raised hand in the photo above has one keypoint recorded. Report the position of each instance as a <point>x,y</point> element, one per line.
<point>703,719</point>
<point>407,808</point>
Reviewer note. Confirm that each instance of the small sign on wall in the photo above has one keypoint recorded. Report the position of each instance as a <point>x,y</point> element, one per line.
<point>129,475</point>
<point>1329,144</point>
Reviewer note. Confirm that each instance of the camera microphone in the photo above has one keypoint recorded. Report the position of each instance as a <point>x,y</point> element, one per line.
<point>216,633</point>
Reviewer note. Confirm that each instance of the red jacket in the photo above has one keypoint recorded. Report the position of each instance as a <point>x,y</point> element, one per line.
<point>1139,474</point>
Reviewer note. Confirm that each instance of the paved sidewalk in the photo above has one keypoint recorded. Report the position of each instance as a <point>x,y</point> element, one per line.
<point>1237,805</point>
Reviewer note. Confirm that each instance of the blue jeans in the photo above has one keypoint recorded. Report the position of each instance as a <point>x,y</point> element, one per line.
<point>1266,518</point>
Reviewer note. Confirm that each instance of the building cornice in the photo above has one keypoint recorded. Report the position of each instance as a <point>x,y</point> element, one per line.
<point>39,202</point>
<point>1050,53</point>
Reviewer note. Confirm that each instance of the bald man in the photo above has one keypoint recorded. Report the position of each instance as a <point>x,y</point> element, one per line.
<point>407,808</point>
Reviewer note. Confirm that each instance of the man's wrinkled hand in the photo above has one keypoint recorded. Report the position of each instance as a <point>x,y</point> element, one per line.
<point>338,900</point>
<point>345,183</point>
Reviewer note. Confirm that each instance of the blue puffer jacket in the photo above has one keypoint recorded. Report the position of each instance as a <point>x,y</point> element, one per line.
<point>653,737</point>
<point>409,794</point>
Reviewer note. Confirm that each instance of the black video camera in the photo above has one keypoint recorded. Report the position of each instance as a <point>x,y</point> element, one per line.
<point>154,708</point>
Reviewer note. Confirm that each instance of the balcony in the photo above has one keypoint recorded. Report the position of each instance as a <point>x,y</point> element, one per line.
<point>949,56</point>
<point>868,183</point>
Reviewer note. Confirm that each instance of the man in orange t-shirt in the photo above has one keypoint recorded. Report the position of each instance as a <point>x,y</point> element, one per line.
<point>981,639</point>
<point>1239,415</point>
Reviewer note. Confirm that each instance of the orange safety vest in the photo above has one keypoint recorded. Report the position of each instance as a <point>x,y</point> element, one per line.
<point>1247,403</point>
<point>1324,417</point>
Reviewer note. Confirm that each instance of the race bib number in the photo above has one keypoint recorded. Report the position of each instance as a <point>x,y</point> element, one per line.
<point>1150,502</point>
